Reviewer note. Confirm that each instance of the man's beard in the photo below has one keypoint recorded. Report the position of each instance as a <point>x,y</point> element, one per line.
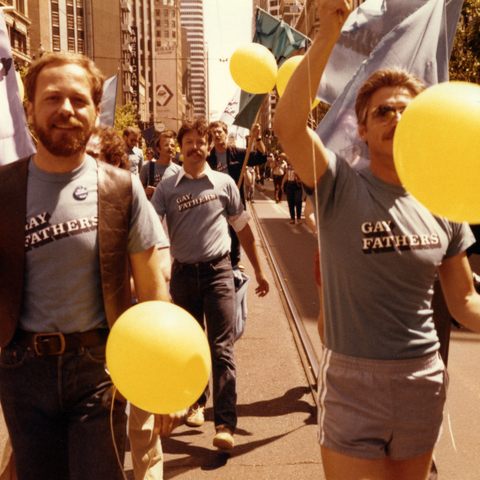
<point>66,144</point>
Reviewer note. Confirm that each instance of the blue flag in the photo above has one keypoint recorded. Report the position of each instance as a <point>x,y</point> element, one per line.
<point>416,35</point>
<point>282,40</point>
<point>15,139</point>
<point>109,101</point>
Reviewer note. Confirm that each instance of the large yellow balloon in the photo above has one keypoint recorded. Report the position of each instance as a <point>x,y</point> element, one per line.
<point>285,72</point>
<point>253,68</point>
<point>158,357</point>
<point>437,150</point>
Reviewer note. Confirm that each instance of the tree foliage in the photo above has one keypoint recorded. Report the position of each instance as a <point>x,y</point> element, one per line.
<point>465,59</point>
<point>125,116</point>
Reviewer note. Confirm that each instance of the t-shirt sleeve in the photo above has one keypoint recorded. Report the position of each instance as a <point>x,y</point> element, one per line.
<point>145,227</point>
<point>462,238</point>
<point>234,204</point>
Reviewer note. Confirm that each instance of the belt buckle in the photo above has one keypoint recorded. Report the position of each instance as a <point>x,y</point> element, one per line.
<point>39,336</point>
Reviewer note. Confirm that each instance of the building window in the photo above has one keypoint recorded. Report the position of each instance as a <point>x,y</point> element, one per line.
<point>173,34</point>
<point>165,34</point>
<point>173,23</point>
<point>55,26</point>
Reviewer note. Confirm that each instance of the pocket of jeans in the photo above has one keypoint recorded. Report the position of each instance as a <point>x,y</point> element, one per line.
<point>96,353</point>
<point>13,356</point>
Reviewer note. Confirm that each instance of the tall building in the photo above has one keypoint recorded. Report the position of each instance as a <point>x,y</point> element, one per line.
<point>192,21</point>
<point>170,100</point>
<point>18,24</point>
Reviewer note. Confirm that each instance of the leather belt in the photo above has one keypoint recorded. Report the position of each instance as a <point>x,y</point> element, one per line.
<point>210,263</point>
<point>56,343</point>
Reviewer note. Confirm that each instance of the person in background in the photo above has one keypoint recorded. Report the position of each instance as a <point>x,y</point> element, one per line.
<point>155,170</point>
<point>292,187</point>
<point>279,166</point>
<point>107,145</point>
<point>131,138</point>
<point>229,159</point>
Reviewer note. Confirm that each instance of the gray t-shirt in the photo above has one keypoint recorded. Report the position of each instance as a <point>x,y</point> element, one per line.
<point>160,172</point>
<point>380,249</point>
<point>197,214</point>
<point>63,290</point>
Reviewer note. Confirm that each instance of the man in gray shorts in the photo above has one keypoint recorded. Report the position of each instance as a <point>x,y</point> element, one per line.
<point>383,384</point>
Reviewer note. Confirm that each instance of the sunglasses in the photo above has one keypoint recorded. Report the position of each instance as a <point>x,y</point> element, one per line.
<point>386,113</point>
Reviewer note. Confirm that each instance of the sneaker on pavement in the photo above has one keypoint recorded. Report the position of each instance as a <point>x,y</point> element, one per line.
<point>224,438</point>
<point>195,416</point>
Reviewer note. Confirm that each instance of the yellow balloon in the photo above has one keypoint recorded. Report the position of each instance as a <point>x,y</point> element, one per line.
<point>285,72</point>
<point>158,357</point>
<point>437,150</point>
<point>253,68</point>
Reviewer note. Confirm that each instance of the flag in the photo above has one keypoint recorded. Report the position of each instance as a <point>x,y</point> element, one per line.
<point>282,40</point>
<point>229,115</point>
<point>109,101</point>
<point>15,139</point>
<point>416,35</point>
<point>150,137</point>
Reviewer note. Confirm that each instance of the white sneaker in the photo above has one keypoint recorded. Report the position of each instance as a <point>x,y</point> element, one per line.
<point>195,416</point>
<point>224,438</point>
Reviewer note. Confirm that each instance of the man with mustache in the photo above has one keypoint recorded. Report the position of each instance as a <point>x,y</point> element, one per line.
<point>200,204</point>
<point>71,230</point>
<point>383,384</point>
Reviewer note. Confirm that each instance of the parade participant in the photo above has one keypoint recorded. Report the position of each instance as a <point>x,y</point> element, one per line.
<point>383,383</point>
<point>200,204</point>
<point>279,165</point>
<point>292,186</point>
<point>106,144</point>
<point>230,159</point>
<point>65,280</point>
<point>131,136</point>
<point>154,171</point>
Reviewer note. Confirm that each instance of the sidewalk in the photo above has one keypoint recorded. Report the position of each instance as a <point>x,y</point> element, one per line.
<point>276,432</point>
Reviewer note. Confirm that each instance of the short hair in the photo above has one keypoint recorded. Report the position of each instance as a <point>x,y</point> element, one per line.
<point>94,75</point>
<point>217,124</point>
<point>128,130</point>
<point>387,77</point>
<point>112,145</point>
<point>165,134</point>
<point>199,124</point>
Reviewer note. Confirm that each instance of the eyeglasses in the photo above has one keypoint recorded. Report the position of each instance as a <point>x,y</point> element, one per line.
<point>386,113</point>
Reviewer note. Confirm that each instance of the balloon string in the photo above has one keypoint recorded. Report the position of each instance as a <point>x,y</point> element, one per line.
<point>114,393</point>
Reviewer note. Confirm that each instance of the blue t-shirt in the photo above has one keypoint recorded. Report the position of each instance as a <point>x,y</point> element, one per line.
<point>380,249</point>
<point>197,213</point>
<point>62,290</point>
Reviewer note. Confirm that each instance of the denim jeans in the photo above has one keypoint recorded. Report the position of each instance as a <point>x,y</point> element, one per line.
<point>57,417</point>
<point>207,292</point>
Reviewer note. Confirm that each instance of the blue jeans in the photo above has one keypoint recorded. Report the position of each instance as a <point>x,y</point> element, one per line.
<point>207,292</point>
<point>57,417</point>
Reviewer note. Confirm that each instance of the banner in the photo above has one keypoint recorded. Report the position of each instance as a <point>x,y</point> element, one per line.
<point>15,139</point>
<point>109,101</point>
<point>416,35</point>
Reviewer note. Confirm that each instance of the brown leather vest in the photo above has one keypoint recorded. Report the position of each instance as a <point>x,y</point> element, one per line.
<point>114,212</point>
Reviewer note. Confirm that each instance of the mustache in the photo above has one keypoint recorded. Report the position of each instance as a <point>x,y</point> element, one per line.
<point>67,121</point>
<point>194,151</point>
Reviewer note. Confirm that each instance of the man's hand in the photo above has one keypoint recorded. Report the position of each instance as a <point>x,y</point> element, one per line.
<point>333,13</point>
<point>256,130</point>
<point>263,286</point>
<point>166,424</point>
<point>150,190</point>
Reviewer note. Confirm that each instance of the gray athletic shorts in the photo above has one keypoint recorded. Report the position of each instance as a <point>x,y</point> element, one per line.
<point>376,408</point>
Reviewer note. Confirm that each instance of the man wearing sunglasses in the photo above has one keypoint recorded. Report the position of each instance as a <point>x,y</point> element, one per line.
<point>383,383</point>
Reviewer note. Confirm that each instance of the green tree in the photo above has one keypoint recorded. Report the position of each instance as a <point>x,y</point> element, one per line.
<point>465,59</point>
<point>125,116</point>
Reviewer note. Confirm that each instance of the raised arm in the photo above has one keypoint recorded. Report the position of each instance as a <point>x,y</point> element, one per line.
<point>301,143</point>
<point>462,300</point>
